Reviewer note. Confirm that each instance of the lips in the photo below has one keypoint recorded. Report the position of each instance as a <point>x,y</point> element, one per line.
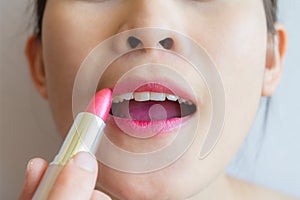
<point>150,109</point>
<point>152,93</point>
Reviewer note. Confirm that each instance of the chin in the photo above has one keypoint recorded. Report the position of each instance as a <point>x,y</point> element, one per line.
<point>178,181</point>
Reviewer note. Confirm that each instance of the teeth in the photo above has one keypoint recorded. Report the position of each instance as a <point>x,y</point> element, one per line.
<point>146,96</point>
<point>181,100</point>
<point>154,96</point>
<point>172,97</point>
<point>127,96</point>
<point>189,103</point>
<point>121,98</point>
<point>117,99</point>
<point>142,96</point>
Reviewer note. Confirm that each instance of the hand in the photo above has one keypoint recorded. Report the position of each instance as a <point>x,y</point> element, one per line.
<point>76,180</point>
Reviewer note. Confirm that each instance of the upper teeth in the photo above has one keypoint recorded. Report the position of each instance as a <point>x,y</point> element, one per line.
<point>149,96</point>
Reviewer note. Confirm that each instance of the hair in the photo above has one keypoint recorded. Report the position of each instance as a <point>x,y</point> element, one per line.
<point>271,10</point>
<point>269,5</point>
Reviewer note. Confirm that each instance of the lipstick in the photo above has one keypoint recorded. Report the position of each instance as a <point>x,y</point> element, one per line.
<point>84,135</point>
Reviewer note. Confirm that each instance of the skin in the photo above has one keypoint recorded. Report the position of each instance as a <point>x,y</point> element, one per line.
<point>241,33</point>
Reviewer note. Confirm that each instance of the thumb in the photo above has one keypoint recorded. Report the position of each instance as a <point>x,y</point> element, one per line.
<point>77,179</point>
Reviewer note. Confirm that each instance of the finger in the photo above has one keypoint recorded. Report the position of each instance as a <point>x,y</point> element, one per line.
<point>77,179</point>
<point>97,195</point>
<point>35,169</point>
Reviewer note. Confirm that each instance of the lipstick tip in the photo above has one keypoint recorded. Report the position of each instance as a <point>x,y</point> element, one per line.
<point>101,103</point>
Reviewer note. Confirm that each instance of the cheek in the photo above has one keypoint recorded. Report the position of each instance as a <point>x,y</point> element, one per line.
<point>242,64</point>
<point>238,49</point>
<point>65,46</point>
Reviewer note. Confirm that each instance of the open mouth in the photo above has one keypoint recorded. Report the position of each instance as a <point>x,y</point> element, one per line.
<point>151,106</point>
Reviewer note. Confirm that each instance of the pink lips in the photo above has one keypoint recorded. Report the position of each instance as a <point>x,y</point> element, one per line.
<point>153,87</point>
<point>148,128</point>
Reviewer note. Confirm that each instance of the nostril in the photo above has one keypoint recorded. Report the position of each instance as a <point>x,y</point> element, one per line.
<point>167,43</point>
<point>133,42</point>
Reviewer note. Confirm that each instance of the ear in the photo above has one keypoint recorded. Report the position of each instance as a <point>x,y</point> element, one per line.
<point>276,49</point>
<point>36,65</point>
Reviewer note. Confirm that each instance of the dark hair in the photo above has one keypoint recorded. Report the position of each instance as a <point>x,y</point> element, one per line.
<point>271,14</point>
<point>269,5</point>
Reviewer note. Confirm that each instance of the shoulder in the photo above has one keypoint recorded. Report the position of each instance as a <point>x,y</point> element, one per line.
<point>257,192</point>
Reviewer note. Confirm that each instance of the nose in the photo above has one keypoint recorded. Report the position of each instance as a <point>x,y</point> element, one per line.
<point>166,43</point>
<point>146,25</point>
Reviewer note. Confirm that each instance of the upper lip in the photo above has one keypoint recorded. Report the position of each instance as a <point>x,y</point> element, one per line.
<point>172,84</point>
<point>159,85</point>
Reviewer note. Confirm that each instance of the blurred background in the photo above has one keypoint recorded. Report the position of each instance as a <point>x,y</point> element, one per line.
<point>268,157</point>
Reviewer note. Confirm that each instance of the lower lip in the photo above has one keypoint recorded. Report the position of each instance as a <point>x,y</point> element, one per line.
<point>147,129</point>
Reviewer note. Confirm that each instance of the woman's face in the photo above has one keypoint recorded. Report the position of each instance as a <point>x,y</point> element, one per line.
<point>233,32</point>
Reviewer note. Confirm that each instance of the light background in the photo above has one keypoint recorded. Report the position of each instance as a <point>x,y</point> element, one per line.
<point>27,129</point>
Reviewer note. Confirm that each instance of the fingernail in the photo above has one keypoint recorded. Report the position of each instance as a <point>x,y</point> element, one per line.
<point>85,161</point>
<point>29,166</point>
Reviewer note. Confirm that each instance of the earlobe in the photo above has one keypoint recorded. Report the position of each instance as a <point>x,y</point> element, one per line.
<point>276,49</point>
<point>36,65</point>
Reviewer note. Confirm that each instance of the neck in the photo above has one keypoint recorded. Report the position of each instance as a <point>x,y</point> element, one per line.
<point>221,188</point>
